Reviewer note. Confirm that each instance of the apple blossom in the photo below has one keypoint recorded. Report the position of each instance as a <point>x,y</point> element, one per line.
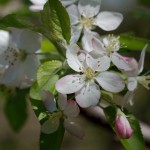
<point>66,109</point>
<point>85,87</point>
<point>86,14</point>
<point>122,126</point>
<point>39,4</point>
<point>133,77</point>
<point>108,47</point>
<point>18,57</point>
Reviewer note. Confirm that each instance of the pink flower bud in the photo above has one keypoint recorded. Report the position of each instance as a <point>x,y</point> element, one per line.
<point>122,127</point>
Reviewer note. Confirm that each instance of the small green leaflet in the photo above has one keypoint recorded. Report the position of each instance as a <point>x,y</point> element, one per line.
<point>46,74</point>
<point>134,43</point>
<point>136,142</point>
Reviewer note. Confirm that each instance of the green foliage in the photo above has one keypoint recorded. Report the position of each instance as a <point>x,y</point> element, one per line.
<point>134,43</point>
<point>56,24</point>
<point>16,108</point>
<point>4,2</point>
<point>46,74</point>
<point>136,141</point>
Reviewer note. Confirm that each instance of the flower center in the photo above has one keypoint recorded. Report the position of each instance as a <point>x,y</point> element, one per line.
<point>90,74</point>
<point>87,22</point>
<point>112,44</point>
<point>11,55</point>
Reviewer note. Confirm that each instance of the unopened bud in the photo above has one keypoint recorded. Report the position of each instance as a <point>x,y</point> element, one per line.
<point>122,126</point>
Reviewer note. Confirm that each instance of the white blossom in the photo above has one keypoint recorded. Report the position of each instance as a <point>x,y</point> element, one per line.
<point>85,87</point>
<point>18,57</point>
<point>86,14</point>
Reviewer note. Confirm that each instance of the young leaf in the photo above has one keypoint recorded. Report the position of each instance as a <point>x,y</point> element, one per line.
<point>46,77</point>
<point>56,21</point>
<point>136,141</point>
<point>134,43</point>
<point>16,109</point>
<point>16,21</point>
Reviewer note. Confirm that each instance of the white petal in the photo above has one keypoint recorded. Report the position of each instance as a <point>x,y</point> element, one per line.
<point>36,8</point>
<point>132,83</point>
<point>70,84</point>
<point>62,100</point>
<point>11,73</point>
<point>89,95</point>
<point>98,64</point>
<point>72,57</point>
<point>50,126</point>
<point>29,41</point>
<point>142,58</point>
<point>128,98</point>
<point>90,41</point>
<point>4,40</point>
<point>89,8</point>
<point>108,21</point>
<point>68,2</point>
<point>110,81</point>
<point>74,14</point>
<point>38,2</point>
<point>75,33</point>
<point>48,101</point>
<point>30,66</point>
<point>123,63</point>
<point>74,129</point>
<point>71,109</point>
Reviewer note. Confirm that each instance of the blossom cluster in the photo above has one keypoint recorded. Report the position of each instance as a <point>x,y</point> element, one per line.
<point>92,65</point>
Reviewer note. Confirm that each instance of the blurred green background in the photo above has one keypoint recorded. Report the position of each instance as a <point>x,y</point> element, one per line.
<point>97,137</point>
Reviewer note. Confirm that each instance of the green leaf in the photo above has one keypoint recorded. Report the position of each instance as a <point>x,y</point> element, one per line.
<point>56,24</point>
<point>136,141</point>
<point>46,77</point>
<point>16,109</point>
<point>134,43</point>
<point>52,141</point>
<point>18,21</point>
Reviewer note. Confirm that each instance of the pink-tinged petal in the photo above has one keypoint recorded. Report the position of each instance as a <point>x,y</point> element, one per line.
<point>74,129</point>
<point>98,64</point>
<point>74,14</point>
<point>70,84</point>
<point>124,63</point>
<point>75,33</point>
<point>62,101</point>
<point>88,96</point>
<point>90,41</point>
<point>108,21</point>
<point>50,126</point>
<point>110,81</point>
<point>132,83</point>
<point>48,101</point>
<point>123,127</point>
<point>142,58</point>
<point>72,57</point>
<point>89,8</point>
<point>71,109</point>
